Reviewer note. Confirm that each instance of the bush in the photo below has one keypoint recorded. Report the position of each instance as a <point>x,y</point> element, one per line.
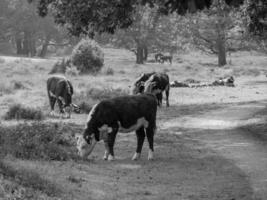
<point>109,71</point>
<point>87,56</point>
<point>17,111</point>
<point>39,141</point>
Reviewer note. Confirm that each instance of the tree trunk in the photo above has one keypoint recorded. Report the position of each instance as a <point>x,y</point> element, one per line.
<point>44,47</point>
<point>221,47</point>
<point>145,52</point>
<point>139,55</point>
<point>19,46</point>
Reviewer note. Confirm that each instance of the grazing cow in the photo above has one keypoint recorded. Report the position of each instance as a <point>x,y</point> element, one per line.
<point>161,83</point>
<point>120,114</point>
<point>158,56</point>
<point>165,58</point>
<point>60,90</point>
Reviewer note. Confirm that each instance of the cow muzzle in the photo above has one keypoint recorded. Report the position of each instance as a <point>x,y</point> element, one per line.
<point>84,148</point>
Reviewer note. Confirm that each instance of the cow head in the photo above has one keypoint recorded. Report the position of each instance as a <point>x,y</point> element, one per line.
<point>85,144</point>
<point>149,87</point>
<point>138,87</point>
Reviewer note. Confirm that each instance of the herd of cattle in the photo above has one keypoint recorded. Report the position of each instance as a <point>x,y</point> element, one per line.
<point>136,112</point>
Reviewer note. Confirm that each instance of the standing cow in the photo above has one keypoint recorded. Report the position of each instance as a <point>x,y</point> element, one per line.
<point>162,83</point>
<point>60,90</point>
<point>120,114</point>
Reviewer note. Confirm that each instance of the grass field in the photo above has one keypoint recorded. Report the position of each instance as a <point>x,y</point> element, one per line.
<point>39,161</point>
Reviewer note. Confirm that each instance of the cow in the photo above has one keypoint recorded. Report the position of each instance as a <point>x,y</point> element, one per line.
<point>158,56</point>
<point>60,90</point>
<point>139,85</point>
<point>161,84</point>
<point>120,114</point>
<point>165,58</point>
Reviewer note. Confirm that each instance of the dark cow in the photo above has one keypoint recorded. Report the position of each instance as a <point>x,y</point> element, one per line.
<point>158,56</point>
<point>60,90</point>
<point>120,114</point>
<point>139,85</point>
<point>165,58</point>
<point>160,83</point>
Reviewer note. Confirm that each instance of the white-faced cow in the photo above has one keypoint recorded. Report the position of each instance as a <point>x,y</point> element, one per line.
<point>120,114</point>
<point>60,90</point>
<point>161,81</point>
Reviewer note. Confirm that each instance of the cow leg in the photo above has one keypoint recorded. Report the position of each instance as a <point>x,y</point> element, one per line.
<point>106,154</point>
<point>60,105</point>
<point>159,98</point>
<point>150,137</point>
<point>167,92</point>
<point>110,145</point>
<point>140,134</point>
<point>52,102</point>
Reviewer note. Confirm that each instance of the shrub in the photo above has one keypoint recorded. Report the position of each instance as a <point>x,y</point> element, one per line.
<point>18,85</point>
<point>87,56</point>
<point>39,141</point>
<point>85,107</point>
<point>17,111</point>
<point>109,71</point>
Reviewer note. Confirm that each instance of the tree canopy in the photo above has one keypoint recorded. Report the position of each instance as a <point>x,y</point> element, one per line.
<point>87,17</point>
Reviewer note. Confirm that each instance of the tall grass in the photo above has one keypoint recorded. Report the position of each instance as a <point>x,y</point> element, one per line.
<point>18,111</point>
<point>38,141</point>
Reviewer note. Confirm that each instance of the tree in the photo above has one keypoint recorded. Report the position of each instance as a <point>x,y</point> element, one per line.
<point>211,29</point>
<point>88,17</point>
<point>26,30</point>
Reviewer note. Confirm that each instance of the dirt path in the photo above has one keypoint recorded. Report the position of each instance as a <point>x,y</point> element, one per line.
<point>236,132</point>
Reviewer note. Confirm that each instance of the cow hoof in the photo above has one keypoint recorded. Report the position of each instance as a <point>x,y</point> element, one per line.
<point>136,156</point>
<point>150,155</point>
<point>111,158</point>
<point>105,157</point>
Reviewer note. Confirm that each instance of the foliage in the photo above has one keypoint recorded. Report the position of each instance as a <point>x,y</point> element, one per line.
<point>37,141</point>
<point>255,14</point>
<point>87,17</point>
<point>87,56</point>
<point>22,28</point>
<point>17,111</point>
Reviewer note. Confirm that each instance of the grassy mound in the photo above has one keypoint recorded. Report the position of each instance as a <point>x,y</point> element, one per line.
<point>18,111</point>
<point>37,141</point>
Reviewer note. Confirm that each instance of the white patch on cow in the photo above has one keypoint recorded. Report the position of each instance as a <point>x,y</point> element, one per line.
<point>104,130</point>
<point>62,99</point>
<point>111,158</point>
<point>105,157</point>
<point>136,156</point>
<point>140,122</point>
<point>150,155</point>
<point>92,111</point>
<point>52,94</point>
